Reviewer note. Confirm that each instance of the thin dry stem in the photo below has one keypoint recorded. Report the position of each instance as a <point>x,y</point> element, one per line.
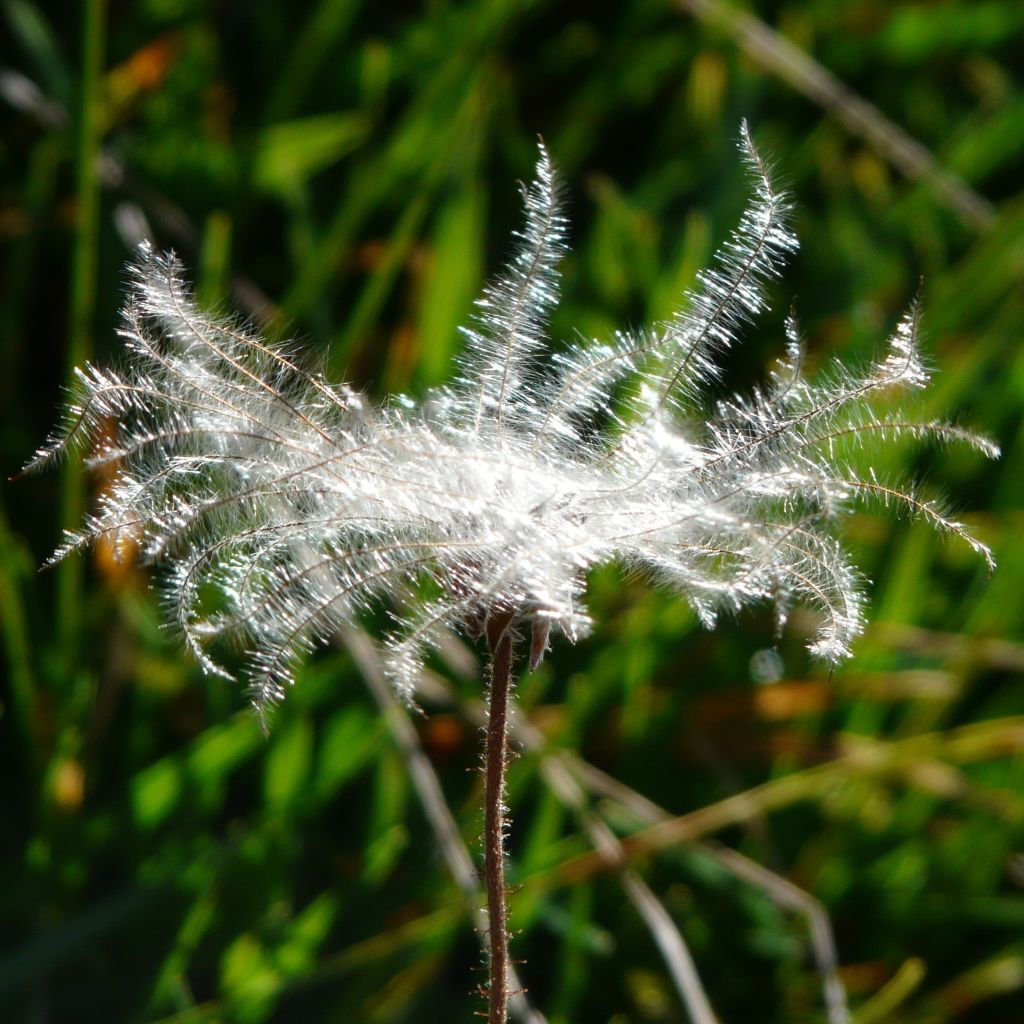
<point>900,759</point>
<point>569,775</point>
<point>499,641</point>
<point>670,942</point>
<point>430,794</point>
<point>560,773</point>
<point>778,55</point>
<point>779,889</point>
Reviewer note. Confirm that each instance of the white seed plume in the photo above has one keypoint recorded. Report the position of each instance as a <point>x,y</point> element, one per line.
<point>284,505</point>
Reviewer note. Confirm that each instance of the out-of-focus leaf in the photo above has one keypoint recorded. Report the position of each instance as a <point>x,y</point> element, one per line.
<point>288,765</point>
<point>36,35</point>
<point>160,788</point>
<point>288,154</point>
<point>350,738</point>
<point>450,282</point>
<point>388,835</point>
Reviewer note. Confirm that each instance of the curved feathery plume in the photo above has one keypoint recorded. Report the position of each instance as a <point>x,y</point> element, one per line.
<point>731,293</point>
<point>509,330</point>
<point>285,505</point>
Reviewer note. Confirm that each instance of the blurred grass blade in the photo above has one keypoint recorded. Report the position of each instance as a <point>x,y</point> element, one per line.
<point>322,35</point>
<point>31,28</point>
<point>906,981</point>
<point>33,960</point>
<point>453,275</point>
<point>84,271</point>
<point>14,568</point>
<point>289,153</point>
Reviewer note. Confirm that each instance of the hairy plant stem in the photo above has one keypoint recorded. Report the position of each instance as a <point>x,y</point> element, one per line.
<point>499,642</point>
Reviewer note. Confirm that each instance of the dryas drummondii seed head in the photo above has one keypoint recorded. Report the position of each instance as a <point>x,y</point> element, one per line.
<point>282,505</point>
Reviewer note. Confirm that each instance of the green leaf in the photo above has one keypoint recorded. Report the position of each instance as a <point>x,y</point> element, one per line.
<point>288,764</point>
<point>158,789</point>
<point>37,37</point>
<point>349,741</point>
<point>452,280</point>
<point>288,154</point>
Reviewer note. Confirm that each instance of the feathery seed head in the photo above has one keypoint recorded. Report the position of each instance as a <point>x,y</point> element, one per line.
<point>300,504</point>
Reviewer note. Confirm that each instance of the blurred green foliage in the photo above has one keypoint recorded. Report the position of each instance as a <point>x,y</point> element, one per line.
<point>343,172</point>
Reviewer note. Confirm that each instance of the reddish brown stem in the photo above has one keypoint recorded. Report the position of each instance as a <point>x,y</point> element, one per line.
<point>499,640</point>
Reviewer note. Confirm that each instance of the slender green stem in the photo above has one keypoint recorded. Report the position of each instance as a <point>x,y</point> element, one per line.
<point>83,298</point>
<point>15,632</point>
<point>499,639</point>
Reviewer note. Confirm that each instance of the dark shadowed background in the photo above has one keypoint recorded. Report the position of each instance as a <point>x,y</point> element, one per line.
<point>345,173</point>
